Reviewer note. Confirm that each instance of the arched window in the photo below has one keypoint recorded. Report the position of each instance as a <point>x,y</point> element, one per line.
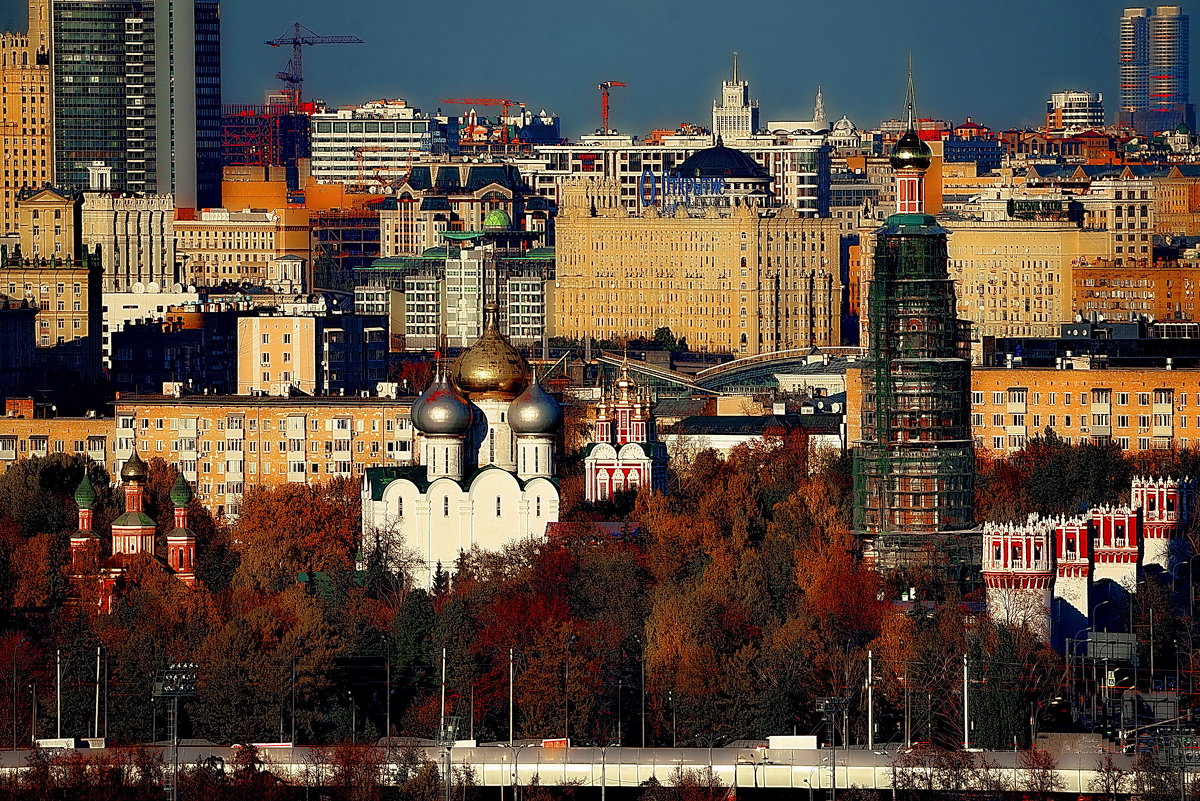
<point>537,506</point>
<point>446,506</point>
<point>497,506</point>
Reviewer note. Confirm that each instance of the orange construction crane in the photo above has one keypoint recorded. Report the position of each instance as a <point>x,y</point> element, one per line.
<point>358,154</point>
<point>604,87</point>
<point>490,101</point>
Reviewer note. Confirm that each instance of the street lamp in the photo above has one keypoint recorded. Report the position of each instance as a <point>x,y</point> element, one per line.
<point>642,662</point>
<point>1096,613</point>
<point>567,690</point>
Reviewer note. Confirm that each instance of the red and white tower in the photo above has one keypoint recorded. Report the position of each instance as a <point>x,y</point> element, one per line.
<point>1072,577</point>
<point>85,545</point>
<point>133,531</point>
<point>910,159</point>
<point>625,453</point>
<point>181,541</point>
<point>1167,506</point>
<point>1116,545</point>
<point>1017,573</point>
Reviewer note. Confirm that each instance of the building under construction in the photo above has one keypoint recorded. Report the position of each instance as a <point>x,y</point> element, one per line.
<point>272,134</point>
<point>914,466</point>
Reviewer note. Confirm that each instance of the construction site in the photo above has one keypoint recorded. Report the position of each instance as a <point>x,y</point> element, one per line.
<point>914,466</point>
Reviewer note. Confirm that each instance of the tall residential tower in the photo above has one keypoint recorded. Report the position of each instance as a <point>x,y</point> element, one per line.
<point>1154,69</point>
<point>137,94</point>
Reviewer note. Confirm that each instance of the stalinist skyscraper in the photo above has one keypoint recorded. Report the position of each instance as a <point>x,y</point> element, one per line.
<point>26,114</point>
<point>735,115</point>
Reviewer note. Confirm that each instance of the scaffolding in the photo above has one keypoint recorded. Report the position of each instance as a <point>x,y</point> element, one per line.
<point>914,468</point>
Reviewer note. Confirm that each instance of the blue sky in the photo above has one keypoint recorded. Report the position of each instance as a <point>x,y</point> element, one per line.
<point>996,61</point>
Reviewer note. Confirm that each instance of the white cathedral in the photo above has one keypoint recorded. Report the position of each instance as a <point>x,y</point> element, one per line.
<point>486,472</point>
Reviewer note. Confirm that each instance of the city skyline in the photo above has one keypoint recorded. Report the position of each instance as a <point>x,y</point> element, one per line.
<point>1016,55</point>
<point>1061,46</point>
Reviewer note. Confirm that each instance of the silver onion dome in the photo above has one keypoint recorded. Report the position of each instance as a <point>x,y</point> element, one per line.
<point>440,409</point>
<point>534,411</point>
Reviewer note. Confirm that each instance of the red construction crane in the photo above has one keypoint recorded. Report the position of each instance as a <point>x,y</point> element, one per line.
<point>293,76</point>
<point>489,101</point>
<point>604,87</point>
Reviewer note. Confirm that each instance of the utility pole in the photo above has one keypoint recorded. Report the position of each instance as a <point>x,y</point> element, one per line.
<point>442,707</point>
<point>96,720</point>
<point>511,698</point>
<point>966,707</point>
<point>58,693</point>
<point>870,701</point>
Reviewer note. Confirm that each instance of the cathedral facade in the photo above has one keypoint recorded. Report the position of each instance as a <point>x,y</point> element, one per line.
<point>486,473</point>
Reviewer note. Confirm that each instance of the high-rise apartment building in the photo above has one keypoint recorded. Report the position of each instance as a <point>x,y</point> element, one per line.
<point>26,121</point>
<point>1154,67</point>
<point>137,90</point>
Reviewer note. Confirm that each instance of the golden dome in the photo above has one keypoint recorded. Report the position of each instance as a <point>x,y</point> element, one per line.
<point>492,367</point>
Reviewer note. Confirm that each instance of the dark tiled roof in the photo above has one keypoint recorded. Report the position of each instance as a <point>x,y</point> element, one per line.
<point>735,424</point>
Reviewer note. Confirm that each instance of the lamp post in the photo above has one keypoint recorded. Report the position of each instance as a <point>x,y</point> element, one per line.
<point>567,690</point>
<point>1096,613</point>
<point>642,662</point>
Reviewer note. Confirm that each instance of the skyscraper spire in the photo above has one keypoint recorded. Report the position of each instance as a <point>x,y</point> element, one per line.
<point>819,106</point>
<point>735,54</point>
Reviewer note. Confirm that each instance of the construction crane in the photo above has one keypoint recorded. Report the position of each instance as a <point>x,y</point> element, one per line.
<point>358,154</point>
<point>293,76</point>
<point>490,101</point>
<point>604,87</point>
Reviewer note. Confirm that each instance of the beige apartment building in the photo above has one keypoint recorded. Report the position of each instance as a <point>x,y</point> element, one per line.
<point>1014,277</point>
<point>1137,408</point>
<point>226,444</point>
<point>48,225</point>
<point>735,279</point>
<point>67,296</point>
<point>276,354</point>
<point>24,433</point>
<point>220,246</point>
<point>26,113</point>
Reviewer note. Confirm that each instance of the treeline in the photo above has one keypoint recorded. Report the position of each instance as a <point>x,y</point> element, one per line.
<point>722,612</point>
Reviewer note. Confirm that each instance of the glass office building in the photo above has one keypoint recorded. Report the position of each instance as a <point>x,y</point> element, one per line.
<point>137,90</point>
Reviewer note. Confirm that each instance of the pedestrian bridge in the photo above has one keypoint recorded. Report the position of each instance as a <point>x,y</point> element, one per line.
<point>615,767</point>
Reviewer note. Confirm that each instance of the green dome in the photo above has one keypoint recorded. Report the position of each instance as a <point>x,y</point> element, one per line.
<point>497,220</point>
<point>85,496</point>
<point>910,153</point>
<point>181,493</point>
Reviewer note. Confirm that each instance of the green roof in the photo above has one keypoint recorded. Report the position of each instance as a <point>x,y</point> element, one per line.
<point>85,496</point>
<point>181,493</point>
<point>133,520</point>
<point>913,225</point>
<point>497,220</point>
